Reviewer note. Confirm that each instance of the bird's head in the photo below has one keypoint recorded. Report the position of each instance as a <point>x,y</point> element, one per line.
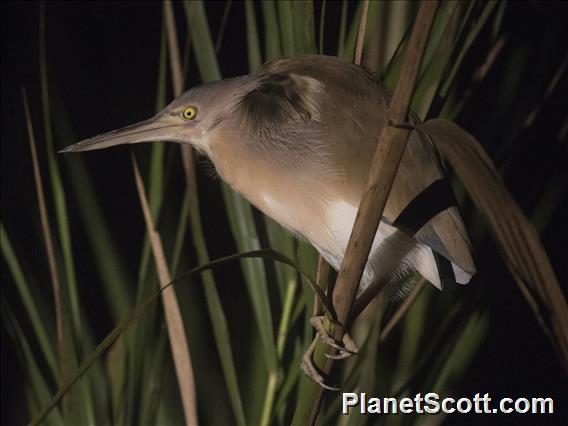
<point>188,119</point>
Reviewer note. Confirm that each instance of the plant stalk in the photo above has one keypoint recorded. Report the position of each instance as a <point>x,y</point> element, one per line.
<point>391,146</point>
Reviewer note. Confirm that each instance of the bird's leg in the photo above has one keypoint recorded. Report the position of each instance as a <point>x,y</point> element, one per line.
<point>345,350</point>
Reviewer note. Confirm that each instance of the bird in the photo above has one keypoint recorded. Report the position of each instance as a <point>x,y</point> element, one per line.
<point>297,138</point>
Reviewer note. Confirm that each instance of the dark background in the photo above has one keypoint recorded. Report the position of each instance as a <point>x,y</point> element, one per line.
<point>102,64</point>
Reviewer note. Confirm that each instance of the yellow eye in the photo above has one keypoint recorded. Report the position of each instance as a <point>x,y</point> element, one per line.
<point>189,113</point>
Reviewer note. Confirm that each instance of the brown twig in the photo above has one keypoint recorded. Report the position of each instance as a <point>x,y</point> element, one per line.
<point>173,47</point>
<point>174,320</point>
<point>63,327</point>
<point>361,33</point>
<point>322,276</point>
<point>481,71</point>
<point>224,19</point>
<point>391,146</point>
<point>46,230</point>
<point>176,331</point>
<point>175,65</point>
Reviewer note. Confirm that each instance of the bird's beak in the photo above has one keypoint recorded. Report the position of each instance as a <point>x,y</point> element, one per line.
<point>157,128</point>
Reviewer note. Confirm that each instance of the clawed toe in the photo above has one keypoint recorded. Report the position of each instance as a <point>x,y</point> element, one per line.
<point>346,349</point>
<point>310,369</point>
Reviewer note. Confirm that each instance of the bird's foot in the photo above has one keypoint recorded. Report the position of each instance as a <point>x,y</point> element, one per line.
<point>310,368</point>
<point>345,349</point>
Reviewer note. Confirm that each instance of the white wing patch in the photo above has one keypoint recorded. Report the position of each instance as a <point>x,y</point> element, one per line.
<point>393,252</point>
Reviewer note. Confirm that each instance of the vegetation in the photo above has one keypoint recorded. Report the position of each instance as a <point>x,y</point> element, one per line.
<point>83,312</point>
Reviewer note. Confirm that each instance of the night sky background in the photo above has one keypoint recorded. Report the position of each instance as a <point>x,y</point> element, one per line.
<point>102,61</point>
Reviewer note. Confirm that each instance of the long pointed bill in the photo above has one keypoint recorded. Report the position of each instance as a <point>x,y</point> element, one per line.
<point>153,129</point>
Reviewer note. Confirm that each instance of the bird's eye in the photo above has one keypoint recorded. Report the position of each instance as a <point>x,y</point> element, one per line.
<point>189,113</point>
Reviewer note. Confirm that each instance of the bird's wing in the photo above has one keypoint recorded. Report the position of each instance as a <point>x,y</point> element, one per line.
<point>446,235</point>
<point>354,104</point>
<point>444,232</point>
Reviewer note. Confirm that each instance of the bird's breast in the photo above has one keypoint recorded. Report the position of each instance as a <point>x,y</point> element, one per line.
<point>311,207</point>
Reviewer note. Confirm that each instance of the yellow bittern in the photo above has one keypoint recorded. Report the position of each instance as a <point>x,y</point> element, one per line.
<point>297,139</point>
